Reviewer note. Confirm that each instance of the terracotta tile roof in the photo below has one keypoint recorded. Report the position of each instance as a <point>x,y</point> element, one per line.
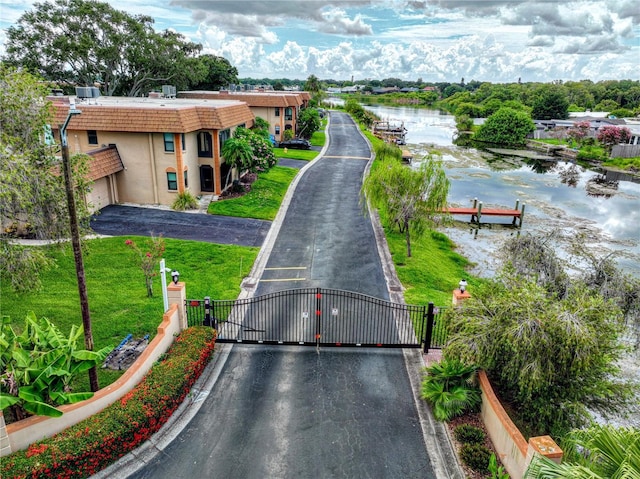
<point>154,115</point>
<point>104,162</point>
<point>255,99</point>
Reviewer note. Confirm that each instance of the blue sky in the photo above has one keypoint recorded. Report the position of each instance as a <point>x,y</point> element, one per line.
<point>432,40</point>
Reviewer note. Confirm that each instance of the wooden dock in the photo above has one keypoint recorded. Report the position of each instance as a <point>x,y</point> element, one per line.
<point>476,212</point>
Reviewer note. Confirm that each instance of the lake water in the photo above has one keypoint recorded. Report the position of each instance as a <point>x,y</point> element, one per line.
<point>560,196</point>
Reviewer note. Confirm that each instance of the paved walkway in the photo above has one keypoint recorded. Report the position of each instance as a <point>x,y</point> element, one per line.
<point>292,412</point>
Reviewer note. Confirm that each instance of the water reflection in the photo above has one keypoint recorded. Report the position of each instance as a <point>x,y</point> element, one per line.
<point>559,195</point>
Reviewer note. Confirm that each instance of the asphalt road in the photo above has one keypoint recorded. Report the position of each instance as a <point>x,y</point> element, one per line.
<point>284,412</point>
<point>119,220</point>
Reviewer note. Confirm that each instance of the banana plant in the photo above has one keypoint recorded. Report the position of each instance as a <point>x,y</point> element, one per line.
<point>38,365</point>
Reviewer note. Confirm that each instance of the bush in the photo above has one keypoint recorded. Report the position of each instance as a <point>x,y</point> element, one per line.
<point>185,201</point>
<point>96,442</point>
<point>468,434</point>
<point>450,388</point>
<point>476,456</point>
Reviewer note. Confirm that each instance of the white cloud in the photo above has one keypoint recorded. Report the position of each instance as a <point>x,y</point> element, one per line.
<point>437,40</point>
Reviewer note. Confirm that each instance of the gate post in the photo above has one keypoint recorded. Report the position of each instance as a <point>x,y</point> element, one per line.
<point>207,311</point>
<point>429,329</point>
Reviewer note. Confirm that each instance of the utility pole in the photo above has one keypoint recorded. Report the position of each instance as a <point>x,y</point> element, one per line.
<point>75,242</point>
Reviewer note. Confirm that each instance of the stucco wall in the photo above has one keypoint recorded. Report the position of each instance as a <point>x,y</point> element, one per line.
<point>21,434</point>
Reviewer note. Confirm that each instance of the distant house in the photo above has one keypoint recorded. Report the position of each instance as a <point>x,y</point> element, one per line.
<point>547,128</point>
<point>382,91</point>
<point>279,108</point>
<point>147,150</point>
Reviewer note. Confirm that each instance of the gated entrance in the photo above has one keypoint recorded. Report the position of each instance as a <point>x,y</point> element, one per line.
<point>319,317</point>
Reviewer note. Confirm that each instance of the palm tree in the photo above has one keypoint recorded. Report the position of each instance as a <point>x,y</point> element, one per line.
<point>237,153</point>
<point>601,451</point>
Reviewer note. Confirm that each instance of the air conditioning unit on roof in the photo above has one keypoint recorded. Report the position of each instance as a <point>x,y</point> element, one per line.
<point>169,91</point>
<point>84,92</point>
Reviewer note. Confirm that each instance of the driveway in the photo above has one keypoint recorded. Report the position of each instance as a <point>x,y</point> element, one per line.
<point>287,412</point>
<point>117,220</point>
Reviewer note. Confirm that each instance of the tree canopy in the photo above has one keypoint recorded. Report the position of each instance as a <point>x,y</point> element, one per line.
<point>506,127</point>
<point>84,42</point>
<point>550,103</point>
<point>411,199</point>
<point>219,73</point>
<point>308,122</point>
<point>32,197</point>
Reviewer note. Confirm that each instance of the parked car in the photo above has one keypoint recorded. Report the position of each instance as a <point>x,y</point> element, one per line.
<point>296,144</point>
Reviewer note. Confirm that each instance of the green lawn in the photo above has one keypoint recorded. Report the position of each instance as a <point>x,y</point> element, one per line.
<point>264,199</point>
<point>116,287</point>
<point>318,138</point>
<point>293,154</point>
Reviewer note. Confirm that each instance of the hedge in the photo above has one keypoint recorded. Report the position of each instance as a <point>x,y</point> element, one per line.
<point>98,441</point>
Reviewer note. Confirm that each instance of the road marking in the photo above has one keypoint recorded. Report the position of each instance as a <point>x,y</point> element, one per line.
<point>281,279</point>
<point>349,157</point>
<point>285,268</point>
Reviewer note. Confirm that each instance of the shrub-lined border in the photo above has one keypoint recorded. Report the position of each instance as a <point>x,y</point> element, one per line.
<point>98,441</point>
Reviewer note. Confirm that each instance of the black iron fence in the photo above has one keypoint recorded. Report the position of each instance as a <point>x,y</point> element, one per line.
<point>320,317</point>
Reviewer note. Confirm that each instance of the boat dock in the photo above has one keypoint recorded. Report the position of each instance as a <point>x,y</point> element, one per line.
<point>476,212</point>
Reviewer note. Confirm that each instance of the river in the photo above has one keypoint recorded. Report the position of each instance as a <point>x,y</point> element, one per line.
<point>559,198</point>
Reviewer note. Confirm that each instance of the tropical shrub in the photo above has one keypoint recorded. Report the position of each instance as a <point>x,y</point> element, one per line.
<point>96,442</point>
<point>476,456</point>
<point>496,471</point>
<point>598,452</point>
<point>185,201</point>
<point>450,387</point>
<point>38,365</point>
<point>613,135</point>
<point>468,434</point>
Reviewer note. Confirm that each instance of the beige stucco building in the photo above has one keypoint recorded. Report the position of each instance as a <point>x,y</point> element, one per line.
<point>147,150</point>
<point>279,108</point>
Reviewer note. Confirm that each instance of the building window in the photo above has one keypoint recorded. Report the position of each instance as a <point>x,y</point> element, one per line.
<point>186,183</point>
<point>184,143</point>
<point>172,180</point>
<point>204,145</point>
<point>92,135</point>
<point>223,136</point>
<point>277,111</point>
<point>288,113</point>
<point>277,129</point>
<point>169,146</point>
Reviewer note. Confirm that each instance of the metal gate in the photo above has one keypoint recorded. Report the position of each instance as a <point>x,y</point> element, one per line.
<point>319,317</point>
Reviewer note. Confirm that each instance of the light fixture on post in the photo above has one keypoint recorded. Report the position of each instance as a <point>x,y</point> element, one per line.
<point>462,285</point>
<point>175,276</point>
<point>163,279</point>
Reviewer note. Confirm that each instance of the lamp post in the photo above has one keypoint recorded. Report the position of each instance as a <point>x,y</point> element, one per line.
<point>75,242</point>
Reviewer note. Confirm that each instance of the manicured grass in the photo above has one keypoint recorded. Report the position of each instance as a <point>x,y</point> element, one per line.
<point>116,287</point>
<point>293,154</point>
<point>433,270</point>
<point>318,138</point>
<point>264,199</point>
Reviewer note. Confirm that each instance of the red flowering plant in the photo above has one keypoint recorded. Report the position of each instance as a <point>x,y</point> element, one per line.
<point>148,258</point>
<point>95,443</point>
